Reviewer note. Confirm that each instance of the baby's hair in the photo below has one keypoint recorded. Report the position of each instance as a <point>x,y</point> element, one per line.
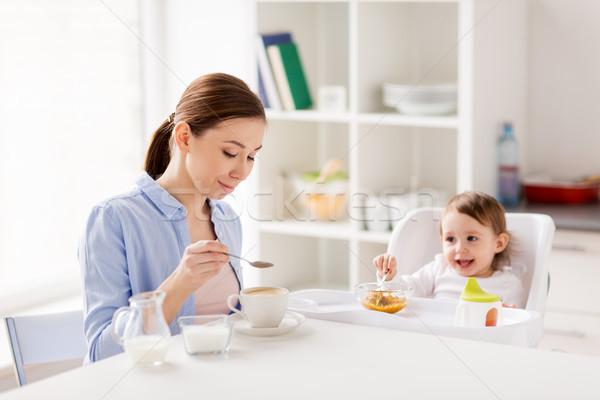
<point>487,211</point>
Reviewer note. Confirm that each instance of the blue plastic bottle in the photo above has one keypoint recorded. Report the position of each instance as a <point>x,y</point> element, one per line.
<point>508,167</point>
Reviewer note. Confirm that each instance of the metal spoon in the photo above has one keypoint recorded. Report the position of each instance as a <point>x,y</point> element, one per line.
<point>383,280</point>
<point>256,264</point>
<point>380,288</point>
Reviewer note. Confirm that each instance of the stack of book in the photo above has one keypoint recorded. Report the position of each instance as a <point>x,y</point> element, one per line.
<point>282,84</point>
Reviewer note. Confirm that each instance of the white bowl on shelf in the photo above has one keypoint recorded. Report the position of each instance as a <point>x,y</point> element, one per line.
<point>430,99</point>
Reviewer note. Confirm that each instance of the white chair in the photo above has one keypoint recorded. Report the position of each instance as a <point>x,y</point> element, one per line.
<point>43,345</point>
<point>416,239</point>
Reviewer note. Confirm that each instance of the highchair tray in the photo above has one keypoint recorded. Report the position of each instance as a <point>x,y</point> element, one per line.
<point>519,327</point>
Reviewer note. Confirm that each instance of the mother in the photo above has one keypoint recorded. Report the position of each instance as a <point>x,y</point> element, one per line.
<point>171,232</point>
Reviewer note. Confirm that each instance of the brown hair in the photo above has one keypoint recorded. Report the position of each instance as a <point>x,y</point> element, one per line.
<point>487,211</point>
<point>205,103</point>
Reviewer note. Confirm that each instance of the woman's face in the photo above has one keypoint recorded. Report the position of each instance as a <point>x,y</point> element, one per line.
<point>223,156</point>
<point>469,247</point>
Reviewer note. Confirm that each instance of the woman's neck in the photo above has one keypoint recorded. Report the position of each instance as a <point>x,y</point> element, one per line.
<point>175,181</point>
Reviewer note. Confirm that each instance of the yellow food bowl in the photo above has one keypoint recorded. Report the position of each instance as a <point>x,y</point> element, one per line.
<point>391,299</point>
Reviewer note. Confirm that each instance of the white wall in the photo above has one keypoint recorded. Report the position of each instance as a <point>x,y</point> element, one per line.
<point>184,39</point>
<point>564,136</point>
<point>198,37</point>
<point>500,83</point>
<point>69,137</point>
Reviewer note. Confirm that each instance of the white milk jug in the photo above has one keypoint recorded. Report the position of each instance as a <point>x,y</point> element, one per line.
<point>146,334</point>
<point>477,308</point>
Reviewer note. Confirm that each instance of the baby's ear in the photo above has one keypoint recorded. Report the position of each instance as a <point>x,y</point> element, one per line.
<point>501,242</point>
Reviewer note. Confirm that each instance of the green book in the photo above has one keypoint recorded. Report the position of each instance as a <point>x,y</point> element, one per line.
<point>289,76</point>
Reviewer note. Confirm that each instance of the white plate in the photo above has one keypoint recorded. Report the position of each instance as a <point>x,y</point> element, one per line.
<point>291,320</point>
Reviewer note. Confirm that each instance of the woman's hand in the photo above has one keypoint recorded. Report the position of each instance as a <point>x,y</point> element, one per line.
<point>385,263</point>
<point>200,262</point>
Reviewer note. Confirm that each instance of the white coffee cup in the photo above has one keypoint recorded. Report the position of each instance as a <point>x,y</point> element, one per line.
<point>262,307</point>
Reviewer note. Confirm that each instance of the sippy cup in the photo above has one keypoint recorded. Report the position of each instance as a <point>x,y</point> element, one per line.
<point>477,308</point>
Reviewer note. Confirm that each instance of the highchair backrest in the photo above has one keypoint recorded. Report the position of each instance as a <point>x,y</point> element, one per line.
<point>416,239</point>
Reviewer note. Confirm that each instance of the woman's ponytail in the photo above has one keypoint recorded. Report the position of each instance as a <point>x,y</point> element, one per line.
<point>159,151</point>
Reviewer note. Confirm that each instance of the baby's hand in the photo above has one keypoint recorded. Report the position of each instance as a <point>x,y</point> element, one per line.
<point>385,263</point>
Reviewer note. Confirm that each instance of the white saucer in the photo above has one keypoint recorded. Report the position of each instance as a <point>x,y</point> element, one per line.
<point>291,320</point>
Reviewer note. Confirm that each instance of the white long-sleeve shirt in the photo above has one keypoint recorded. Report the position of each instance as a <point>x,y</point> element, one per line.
<point>440,281</point>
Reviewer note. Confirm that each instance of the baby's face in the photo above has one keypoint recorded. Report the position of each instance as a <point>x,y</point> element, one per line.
<point>469,247</point>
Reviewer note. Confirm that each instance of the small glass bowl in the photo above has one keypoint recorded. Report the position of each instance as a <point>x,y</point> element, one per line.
<point>206,334</point>
<point>392,299</point>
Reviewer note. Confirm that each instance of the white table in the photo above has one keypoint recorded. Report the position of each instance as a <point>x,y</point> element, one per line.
<point>324,359</point>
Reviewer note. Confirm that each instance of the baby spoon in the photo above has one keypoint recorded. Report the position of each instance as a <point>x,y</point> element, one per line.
<point>383,280</point>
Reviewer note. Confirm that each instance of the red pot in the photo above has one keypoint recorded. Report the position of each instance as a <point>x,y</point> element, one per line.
<point>564,193</point>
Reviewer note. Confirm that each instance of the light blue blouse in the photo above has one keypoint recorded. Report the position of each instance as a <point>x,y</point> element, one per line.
<point>131,244</point>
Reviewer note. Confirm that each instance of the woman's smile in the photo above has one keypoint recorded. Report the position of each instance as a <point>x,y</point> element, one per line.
<point>226,188</point>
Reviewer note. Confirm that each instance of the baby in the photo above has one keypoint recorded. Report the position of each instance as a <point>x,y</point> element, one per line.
<point>475,244</point>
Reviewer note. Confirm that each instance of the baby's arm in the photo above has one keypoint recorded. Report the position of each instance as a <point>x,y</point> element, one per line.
<point>385,263</point>
<point>424,279</point>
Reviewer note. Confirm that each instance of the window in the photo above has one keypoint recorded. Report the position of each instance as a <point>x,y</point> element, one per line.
<point>70,130</point>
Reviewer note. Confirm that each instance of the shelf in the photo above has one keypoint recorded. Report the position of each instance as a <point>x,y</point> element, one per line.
<point>388,119</point>
<point>357,1</point>
<point>360,45</point>
<point>394,119</point>
<point>325,230</point>
<point>374,237</point>
<point>328,230</point>
<point>308,115</point>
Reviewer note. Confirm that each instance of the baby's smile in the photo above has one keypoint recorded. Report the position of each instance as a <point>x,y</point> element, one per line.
<point>464,263</point>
